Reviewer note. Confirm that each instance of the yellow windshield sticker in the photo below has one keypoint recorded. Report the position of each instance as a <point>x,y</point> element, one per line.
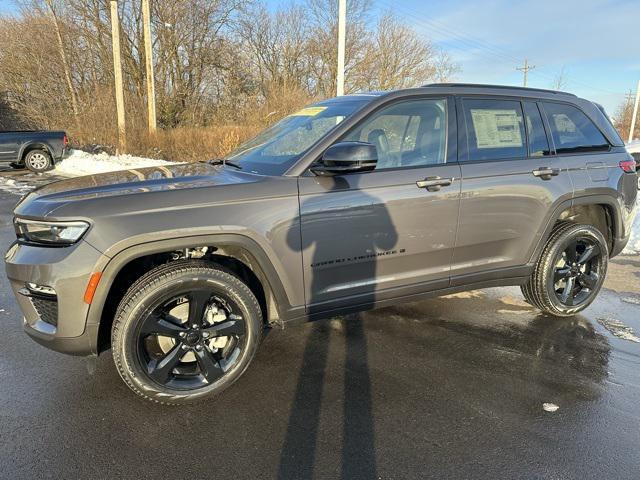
<point>309,112</point>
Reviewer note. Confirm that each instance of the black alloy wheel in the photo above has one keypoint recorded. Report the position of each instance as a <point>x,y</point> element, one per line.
<point>577,271</point>
<point>185,331</point>
<point>190,341</point>
<point>570,270</point>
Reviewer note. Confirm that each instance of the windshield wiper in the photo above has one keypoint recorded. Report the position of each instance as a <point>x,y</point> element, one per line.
<point>221,161</point>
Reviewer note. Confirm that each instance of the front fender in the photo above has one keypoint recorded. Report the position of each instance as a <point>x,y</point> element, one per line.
<point>268,270</point>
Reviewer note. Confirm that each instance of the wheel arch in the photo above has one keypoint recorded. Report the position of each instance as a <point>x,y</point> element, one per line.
<point>601,211</point>
<point>28,147</point>
<point>236,253</point>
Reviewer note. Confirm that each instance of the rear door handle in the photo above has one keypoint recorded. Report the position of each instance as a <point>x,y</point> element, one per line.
<point>433,184</point>
<point>546,173</point>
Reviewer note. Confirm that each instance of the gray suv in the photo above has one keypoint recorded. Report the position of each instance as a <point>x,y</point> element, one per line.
<point>350,204</point>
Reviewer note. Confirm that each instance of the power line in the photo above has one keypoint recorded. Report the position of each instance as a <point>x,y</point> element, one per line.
<point>484,49</point>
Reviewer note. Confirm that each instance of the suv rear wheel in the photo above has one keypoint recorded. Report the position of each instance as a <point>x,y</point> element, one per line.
<point>38,161</point>
<point>185,331</point>
<point>570,271</point>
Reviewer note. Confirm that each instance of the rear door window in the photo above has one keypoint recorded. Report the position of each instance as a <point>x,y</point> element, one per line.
<point>572,130</point>
<point>538,142</point>
<point>495,129</point>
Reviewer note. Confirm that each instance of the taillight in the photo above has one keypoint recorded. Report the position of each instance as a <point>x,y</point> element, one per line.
<point>65,141</point>
<point>628,166</point>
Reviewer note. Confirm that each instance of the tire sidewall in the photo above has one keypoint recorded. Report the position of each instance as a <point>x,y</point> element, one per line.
<point>125,337</point>
<point>27,159</point>
<point>581,231</point>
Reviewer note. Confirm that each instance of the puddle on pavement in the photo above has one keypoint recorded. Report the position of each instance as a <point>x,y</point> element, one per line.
<point>619,329</point>
<point>495,328</point>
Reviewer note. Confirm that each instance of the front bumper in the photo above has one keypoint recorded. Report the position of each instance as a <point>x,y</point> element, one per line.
<point>66,270</point>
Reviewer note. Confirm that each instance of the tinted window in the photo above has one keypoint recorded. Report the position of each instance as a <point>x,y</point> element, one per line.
<point>277,148</point>
<point>572,130</point>
<point>538,143</point>
<point>406,134</point>
<point>495,129</point>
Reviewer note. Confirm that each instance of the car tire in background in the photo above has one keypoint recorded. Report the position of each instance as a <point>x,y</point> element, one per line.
<point>185,331</point>
<point>38,161</point>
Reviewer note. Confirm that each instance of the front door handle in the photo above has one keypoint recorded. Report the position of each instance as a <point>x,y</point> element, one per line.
<point>433,184</point>
<point>546,173</point>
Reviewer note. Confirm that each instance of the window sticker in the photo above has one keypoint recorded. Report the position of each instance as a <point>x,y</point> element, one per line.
<point>496,128</point>
<point>564,123</point>
<point>309,112</point>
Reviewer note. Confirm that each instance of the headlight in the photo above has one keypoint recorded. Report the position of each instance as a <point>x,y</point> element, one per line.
<point>49,233</point>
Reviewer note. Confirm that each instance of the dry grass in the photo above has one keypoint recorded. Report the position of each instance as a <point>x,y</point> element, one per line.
<point>187,144</point>
<point>191,143</point>
<point>96,127</point>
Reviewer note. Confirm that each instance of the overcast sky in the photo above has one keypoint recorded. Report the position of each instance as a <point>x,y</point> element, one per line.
<point>593,40</point>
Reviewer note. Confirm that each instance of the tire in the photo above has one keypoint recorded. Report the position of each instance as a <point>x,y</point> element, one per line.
<point>570,271</point>
<point>199,370</point>
<point>38,161</point>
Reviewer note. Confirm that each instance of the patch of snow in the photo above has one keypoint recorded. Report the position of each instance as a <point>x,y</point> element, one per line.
<point>550,407</point>
<point>17,188</point>
<point>633,300</point>
<point>633,147</point>
<point>633,247</point>
<point>83,163</point>
<point>619,329</point>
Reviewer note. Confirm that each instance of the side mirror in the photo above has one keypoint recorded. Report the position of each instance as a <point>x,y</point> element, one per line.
<point>347,157</point>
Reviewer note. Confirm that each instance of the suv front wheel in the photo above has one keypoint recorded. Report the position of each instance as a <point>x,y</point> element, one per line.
<point>570,271</point>
<point>185,331</point>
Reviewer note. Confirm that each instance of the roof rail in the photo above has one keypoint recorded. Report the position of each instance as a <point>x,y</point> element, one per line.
<point>505,87</point>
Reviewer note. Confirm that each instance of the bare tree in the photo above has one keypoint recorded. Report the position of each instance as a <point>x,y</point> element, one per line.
<point>322,52</point>
<point>275,46</point>
<point>622,119</point>
<point>396,57</point>
<point>63,57</point>
<point>560,80</point>
<point>216,61</point>
<point>445,69</point>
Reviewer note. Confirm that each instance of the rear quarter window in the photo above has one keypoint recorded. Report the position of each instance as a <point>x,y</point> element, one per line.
<point>572,130</point>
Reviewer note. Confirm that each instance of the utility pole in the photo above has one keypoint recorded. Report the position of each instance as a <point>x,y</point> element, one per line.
<point>629,97</point>
<point>635,113</point>
<point>525,70</point>
<point>342,21</point>
<point>148,58</point>
<point>117,73</point>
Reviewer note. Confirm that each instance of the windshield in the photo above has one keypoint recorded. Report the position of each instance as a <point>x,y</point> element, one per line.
<point>278,147</point>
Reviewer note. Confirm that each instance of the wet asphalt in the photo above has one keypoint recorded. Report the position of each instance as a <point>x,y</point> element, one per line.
<point>452,387</point>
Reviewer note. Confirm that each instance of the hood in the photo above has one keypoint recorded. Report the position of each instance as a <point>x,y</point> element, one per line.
<point>171,176</point>
<point>127,183</point>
